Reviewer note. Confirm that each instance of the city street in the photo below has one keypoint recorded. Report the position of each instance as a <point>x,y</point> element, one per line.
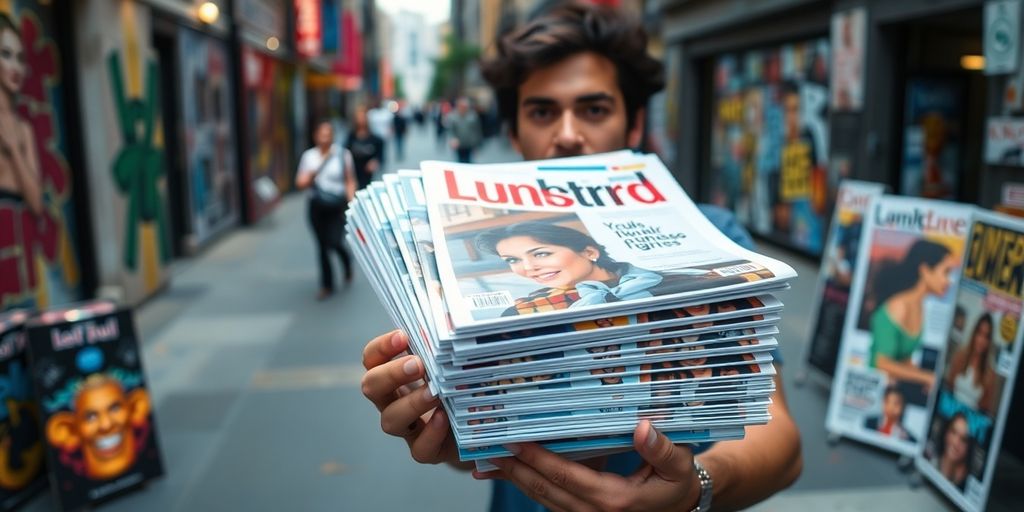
<point>256,391</point>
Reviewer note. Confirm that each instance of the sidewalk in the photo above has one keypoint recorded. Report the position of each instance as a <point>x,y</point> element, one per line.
<point>258,407</point>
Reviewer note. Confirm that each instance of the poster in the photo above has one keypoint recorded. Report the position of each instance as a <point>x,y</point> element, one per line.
<point>267,103</point>
<point>932,138</point>
<point>848,48</point>
<point>209,140</point>
<point>982,356</point>
<point>838,263</point>
<point>1004,141</point>
<point>21,444</point>
<point>100,434</point>
<point>770,141</point>
<point>39,264</point>
<point>901,305</point>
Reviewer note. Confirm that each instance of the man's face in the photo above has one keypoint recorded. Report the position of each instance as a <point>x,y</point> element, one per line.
<point>102,414</point>
<point>573,107</point>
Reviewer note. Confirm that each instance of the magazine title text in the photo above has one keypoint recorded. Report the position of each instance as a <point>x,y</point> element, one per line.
<point>85,333</point>
<point>565,195</point>
<point>996,258</point>
<point>921,221</point>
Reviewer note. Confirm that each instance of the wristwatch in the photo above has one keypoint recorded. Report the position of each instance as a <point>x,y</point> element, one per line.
<point>704,504</point>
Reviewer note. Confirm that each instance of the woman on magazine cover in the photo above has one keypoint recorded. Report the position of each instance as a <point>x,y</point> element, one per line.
<point>956,446</point>
<point>574,269</point>
<point>898,321</point>
<point>970,374</point>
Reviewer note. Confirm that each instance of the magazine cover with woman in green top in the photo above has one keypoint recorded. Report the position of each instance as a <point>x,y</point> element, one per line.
<point>900,311</point>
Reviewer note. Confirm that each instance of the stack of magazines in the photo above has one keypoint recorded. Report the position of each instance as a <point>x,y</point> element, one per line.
<point>562,301</point>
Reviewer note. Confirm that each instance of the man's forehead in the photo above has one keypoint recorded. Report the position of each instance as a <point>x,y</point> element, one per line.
<point>584,76</point>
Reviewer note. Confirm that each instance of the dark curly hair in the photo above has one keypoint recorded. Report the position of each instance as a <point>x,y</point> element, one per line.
<point>566,30</point>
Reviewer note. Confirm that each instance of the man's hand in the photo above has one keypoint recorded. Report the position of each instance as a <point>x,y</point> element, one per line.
<point>668,480</point>
<point>405,411</point>
<point>372,166</point>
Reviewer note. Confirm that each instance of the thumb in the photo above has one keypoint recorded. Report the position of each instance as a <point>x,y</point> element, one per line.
<point>670,461</point>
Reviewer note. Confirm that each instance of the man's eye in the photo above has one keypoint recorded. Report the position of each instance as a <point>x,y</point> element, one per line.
<point>541,114</point>
<point>595,112</point>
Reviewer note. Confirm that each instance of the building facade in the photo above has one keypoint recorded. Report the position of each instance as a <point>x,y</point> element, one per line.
<point>772,103</point>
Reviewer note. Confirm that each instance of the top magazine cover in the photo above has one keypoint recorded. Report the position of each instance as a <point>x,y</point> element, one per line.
<point>533,243</point>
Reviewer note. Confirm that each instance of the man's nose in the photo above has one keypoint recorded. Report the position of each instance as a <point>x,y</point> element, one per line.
<point>568,135</point>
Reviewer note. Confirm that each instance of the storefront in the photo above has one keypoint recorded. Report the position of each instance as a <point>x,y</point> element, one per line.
<point>200,136</point>
<point>267,117</point>
<point>779,102</point>
<point>755,87</point>
<point>45,241</point>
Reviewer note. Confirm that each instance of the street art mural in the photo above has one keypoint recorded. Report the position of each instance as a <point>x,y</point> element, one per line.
<point>769,141</point>
<point>267,120</point>
<point>38,261</point>
<point>209,141</point>
<point>124,147</point>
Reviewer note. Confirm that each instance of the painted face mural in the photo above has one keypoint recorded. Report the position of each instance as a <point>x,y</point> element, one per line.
<point>102,426</point>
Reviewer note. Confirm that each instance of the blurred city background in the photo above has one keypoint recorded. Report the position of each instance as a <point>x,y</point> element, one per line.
<point>255,383</point>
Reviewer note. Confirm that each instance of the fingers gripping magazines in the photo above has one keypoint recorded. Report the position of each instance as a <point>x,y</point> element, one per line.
<point>902,302</point>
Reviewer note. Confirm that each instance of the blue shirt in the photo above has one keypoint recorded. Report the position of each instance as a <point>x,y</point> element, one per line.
<point>506,497</point>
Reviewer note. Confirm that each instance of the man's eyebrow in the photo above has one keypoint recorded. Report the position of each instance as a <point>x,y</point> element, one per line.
<point>585,98</point>
<point>597,96</point>
<point>539,100</point>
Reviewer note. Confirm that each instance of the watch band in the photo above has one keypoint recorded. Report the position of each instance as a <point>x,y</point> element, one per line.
<point>706,484</point>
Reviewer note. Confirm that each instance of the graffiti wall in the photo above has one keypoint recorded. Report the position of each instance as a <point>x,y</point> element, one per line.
<point>769,141</point>
<point>267,103</point>
<point>39,265</point>
<point>208,139</point>
<point>124,146</point>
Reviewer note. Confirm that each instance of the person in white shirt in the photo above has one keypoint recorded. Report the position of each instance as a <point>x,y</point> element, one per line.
<point>326,171</point>
<point>380,120</point>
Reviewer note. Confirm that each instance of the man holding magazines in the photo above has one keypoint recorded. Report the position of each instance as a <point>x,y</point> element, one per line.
<point>572,82</point>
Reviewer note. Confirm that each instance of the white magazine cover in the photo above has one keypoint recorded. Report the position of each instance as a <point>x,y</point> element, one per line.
<point>901,304</point>
<point>837,265</point>
<point>536,243</point>
<point>984,346</point>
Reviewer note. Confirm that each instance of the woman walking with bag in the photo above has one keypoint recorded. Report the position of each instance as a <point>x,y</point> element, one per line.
<point>326,170</point>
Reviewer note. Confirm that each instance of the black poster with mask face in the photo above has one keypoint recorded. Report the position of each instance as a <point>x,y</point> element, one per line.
<point>96,410</point>
<point>21,444</point>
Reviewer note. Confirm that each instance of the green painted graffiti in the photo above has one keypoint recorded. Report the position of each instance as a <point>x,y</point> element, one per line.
<point>139,165</point>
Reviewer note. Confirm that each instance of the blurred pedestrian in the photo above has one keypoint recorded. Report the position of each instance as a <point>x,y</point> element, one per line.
<point>398,127</point>
<point>327,171</point>
<point>466,131</point>
<point>380,120</point>
<point>367,149</point>
<point>440,110</point>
